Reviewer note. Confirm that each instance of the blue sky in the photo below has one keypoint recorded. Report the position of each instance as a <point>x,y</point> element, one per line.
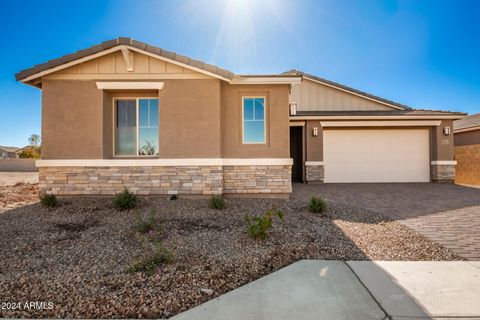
<point>421,53</point>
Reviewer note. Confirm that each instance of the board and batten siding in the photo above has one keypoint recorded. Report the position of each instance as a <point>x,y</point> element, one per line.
<point>112,66</point>
<point>314,96</point>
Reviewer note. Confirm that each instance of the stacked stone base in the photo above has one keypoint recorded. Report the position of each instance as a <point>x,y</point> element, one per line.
<point>314,173</point>
<point>443,172</point>
<point>166,180</point>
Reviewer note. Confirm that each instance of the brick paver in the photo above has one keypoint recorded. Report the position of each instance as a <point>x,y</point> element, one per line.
<point>446,213</point>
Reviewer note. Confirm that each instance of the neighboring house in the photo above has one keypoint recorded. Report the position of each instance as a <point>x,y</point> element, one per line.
<point>8,152</point>
<point>467,149</point>
<point>127,114</point>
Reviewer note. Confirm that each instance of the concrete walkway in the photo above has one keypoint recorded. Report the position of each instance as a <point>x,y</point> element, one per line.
<point>311,289</point>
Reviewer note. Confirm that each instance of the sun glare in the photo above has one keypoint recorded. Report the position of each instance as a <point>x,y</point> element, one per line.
<point>242,24</point>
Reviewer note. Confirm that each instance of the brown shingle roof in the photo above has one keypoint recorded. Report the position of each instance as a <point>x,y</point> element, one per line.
<point>467,122</point>
<point>129,42</point>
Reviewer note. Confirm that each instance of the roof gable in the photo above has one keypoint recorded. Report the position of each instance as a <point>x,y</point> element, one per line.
<point>329,95</point>
<point>121,44</point>
<point>114,67</point>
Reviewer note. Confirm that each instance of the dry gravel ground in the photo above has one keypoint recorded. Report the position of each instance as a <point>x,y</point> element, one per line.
<point>76,255</point>
<point>18,194</point>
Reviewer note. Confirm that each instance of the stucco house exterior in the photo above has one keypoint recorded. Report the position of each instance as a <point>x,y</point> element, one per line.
<point>127,114</point>
<point>467,149</point>
<point>8,152</point>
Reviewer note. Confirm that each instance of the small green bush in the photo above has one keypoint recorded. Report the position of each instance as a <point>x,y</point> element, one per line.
<point>216,202</point>
<point>49,200</point>
<point>146,224</point>
<point>125,200</point>
<point>258,226</point>
<point>150,264</point>
<point>317,205</point>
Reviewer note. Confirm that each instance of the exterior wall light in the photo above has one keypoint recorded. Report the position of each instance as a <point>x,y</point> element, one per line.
<point>293,108</point>
<point>447,130</point>
<point>315,131</point>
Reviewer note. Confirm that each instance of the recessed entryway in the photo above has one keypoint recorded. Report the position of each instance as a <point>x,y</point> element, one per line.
<point>296,152</point>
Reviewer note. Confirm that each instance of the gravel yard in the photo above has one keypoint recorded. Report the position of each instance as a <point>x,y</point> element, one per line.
<point>77,255</point>
<point>18,194</point>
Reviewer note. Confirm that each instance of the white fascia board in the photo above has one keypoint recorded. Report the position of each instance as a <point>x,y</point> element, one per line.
<point>399,123</point>
<point>163,162</point>
<point>130,85</point>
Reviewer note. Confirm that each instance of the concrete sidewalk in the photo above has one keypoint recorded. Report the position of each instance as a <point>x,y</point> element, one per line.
<point>311,289</point>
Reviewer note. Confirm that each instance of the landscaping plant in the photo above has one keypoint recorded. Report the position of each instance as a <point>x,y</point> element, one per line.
<point>258,226</point>
<point>49,200</point>
<point>150,264</point>
<point>146,224</point>
<point>216,202</point>
<point>125,200</point>
<point>317,205</point>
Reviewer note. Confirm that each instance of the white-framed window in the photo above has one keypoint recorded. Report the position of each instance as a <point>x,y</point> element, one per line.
<point>136,127</point>
<point>253,120</point>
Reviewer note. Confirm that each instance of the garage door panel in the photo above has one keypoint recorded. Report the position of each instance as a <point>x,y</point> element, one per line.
<point>376,155</point>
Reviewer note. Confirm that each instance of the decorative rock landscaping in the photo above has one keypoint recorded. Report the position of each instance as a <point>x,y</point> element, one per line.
<point>76,256</point>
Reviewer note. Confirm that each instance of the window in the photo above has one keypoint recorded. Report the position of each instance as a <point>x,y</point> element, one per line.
<point>136,127</point>
<point>253,113</point>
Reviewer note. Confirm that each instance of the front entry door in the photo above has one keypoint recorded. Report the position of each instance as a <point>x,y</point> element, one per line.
<point>296,153</point>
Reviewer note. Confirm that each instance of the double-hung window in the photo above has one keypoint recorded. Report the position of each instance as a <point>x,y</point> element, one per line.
<point>253,120</point>
<point>136,127</point>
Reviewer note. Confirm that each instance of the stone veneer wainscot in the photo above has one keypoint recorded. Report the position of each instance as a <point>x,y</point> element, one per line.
<point>165,180</point>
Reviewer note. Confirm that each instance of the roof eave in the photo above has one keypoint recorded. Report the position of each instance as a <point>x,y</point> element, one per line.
<point>107,47</point>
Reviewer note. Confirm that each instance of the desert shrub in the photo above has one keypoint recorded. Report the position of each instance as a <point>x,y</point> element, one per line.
<point>49,200</point>
<point>125,200</point>
<point>258,226</point>
<point>148,265</point>
<point>30,152</point>
<point>317,205</point>
<point>216,202</point>
<point>145,224</point>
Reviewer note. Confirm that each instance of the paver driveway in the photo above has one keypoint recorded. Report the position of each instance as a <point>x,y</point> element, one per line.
<point>446,213</point>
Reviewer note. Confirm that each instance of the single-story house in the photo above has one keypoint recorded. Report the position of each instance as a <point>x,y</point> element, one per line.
<point>466,134</point>
<point>8,152</point>
<point>127,114</point>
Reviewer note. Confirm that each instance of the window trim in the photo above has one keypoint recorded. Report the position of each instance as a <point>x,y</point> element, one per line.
<point>243,97</point>
<point>114,127</point>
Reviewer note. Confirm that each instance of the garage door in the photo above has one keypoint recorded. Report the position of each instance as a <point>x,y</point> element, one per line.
<point>359,155</point>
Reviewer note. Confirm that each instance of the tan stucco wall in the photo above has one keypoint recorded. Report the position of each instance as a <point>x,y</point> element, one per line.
<point>314,145</point>
<point>72,118</point>
<point>190,119</point>
<point>278,123</point>
<point>78,120</point>
<point>442,145</point>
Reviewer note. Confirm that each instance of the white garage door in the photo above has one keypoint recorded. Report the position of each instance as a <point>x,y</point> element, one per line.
<point>360,155</point>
